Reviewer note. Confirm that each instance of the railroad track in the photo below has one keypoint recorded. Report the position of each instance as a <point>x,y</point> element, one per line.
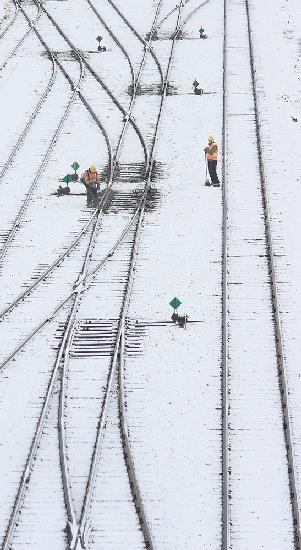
<point>78,530</point>
<point>95,215</point>
<point>29,193</point>
<point>43,417</point>
<point>21,40</point>
<point>45,273</point>
<point>144,42</point>
<point>124,275</point>
<point>75,92</point>
<point>16,224</point>
<point>16,8</point>
<point>249,278</point>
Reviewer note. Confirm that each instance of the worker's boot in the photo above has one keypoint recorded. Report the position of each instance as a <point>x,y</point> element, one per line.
<point>216,184</point>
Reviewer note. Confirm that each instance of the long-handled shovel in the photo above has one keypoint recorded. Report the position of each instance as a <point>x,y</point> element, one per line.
<point>207,182</point>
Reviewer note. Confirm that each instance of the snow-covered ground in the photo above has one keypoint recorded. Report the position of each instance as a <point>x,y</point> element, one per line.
<point>172,376</point>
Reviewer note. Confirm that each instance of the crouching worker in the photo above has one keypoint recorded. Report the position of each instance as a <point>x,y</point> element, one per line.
<point>90,179</point>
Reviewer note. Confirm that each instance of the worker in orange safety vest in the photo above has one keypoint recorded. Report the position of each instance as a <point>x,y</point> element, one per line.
<point>211,152</point>
<point>90,179</point>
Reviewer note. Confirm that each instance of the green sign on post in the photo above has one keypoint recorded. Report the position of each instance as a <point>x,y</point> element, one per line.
<point>195,83</point>
<point>75,166</point>
<point>175,303</point>
<point>67,178</point>
<point>99,38</point>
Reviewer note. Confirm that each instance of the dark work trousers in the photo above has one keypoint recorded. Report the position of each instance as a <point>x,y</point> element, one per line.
<point>212,171</point>
<point>91,195</point>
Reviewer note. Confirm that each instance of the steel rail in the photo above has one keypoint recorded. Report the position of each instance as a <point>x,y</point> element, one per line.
<point>99,80</point>
<point>32,117</point>
<point>279,341</point>
<point>25,203</point>
<point>47,271</point>
<point>225,542</point>
<point>42,166</point>
<point>12,21</point>
<point>144,42</point>
<point>80,287</point>
<point>167,16</point>
<point>84,284</point>
<point>27,291</point>
<point>19,44</point>
<point>63,355</point>
<point>75,294</point>
<point>129,461</point>
<point>21,296</point>
<point>192,14</point>
<point>83,530</point>
<point>79,536</point>
<point>279,344</point>
<point>96,453</point>
<point>30,459</point>
<point>114,37</point>
<point>142,64</point>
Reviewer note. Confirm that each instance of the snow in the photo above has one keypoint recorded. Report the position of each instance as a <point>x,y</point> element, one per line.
<point>172,375</point>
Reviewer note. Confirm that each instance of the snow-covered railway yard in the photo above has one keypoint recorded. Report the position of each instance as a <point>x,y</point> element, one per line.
<point>119,428</point>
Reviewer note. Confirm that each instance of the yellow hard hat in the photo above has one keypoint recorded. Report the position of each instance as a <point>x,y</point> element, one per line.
<point>93,168</point>
<point>210,138</point>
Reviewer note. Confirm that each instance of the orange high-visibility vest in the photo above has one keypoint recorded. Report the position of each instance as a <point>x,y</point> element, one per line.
<point>90,176</point>
<point>213,154</point>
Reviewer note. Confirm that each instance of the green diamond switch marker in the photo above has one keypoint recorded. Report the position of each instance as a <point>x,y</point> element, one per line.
<point>175,303</point>
<point>99,38</point>
<point>201,30</point>
<point>195,83</point>
<point>75,166</point>
<point>67,178</point>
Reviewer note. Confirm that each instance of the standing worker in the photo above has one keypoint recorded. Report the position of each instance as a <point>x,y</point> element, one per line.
<point>90,179</point>
<point>211,152</point>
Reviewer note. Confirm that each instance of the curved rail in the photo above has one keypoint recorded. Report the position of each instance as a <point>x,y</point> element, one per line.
<point>145,44</point>
<point>47,272</point>
<point>38,433</point>
<point>80,287</point>
<point>45,159</point>
<point>114,37</point>
<point>32,117</point>
<point>127,449</point>
<point>30,460</point>
<point>99,80</point>
<point>80,534</point>
<point>111,252</point>
<point>131,107</point>
<point>12,21</point>
<point>27,291</point>
<point>76,90</point>
<point>19,44</point>
<point>120,334</point>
